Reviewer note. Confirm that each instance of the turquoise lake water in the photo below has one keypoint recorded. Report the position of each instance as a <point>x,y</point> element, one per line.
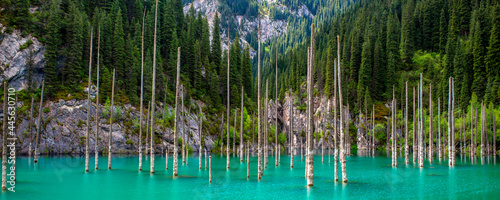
<point>369,178</point>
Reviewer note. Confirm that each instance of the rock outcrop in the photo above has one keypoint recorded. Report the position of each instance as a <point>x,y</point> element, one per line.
<point>18,55</point>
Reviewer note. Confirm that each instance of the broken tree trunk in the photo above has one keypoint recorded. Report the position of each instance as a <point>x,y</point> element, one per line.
<point>342,153</point>
<point>228,100</point>
<point>430,124</point>
<point>310,105</point>
<point>406,124</point>
<point>37,138</point>
<point>241,128</point>
<point>259,148</point>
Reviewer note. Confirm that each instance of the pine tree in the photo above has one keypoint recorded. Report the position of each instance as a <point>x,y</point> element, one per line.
<point>71,73</point>
<point>392,52</point>
<point>118,50</point>
<point>365,71</point>
<point>246,72</point>
<point>216,47</point>
<point>492,59</point>
<point>478,52</point>
<point>52,50</point>
<point>329,70</point>
<point>407,30</point>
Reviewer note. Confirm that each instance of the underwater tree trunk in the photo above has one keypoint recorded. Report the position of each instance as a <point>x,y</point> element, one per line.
<point>449,122</point>
<point>342,153</point>
<point>276,103</point>
<point>112,110</point>
<point>96,163</point>
<point>176,120</point>
<point>453,150</point>
<point>210,169</point>
<point>88,108</point>
<point>142,96</point>
<point>310,105</point>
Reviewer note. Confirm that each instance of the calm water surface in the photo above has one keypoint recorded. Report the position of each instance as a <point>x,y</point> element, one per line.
<point>369,178</point>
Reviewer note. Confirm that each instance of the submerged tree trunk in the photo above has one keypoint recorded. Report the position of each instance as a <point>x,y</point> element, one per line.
<point>147,127</point>
<point>228,100</point>
<point>112,110</point>
<point>88,108</point>
<point>453,150</point>
<point>276,103</point>
<point>482,128</point>
<point>97,105</point>
<point>430,125</point>
<point>241,128</point>
<point>310,105</point>
<point>142,92</point>
<point>440,154</point>
<point>393,134</point>
<point>153,100</point>
<point>266,132</point>
<point>200,138</point>
<point>335,122</point>
<point>421,119</point>
<point>259,148</point>
<point>4,138</point>
<point>291,130</point>
<point>37,138</point>
<point>221,133</point>
<point>176,120</point>
<point>407,161</point>
<point>31,125</point>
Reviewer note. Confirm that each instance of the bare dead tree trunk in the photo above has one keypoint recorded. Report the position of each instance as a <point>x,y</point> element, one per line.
<point>342,153</point>
<point>200,138</point>
<point>394,137</point>
<point>335,120</point>
<point>276,103</point>
<point>176,120</point>
<point>453,150</point>
<point>112,110</point>
<point>449,123</point>
<point>440,153</point>
<point>228,100</point>
<point>241,128</point>
<point>183,133</point>
<point>88,108</point>
<point>494,131</point>
<point>142,92</point>
<point>291,130</point>
<point>421,132</point>
<point>96,163</point>
<point>4,137</point>
<point>310,105</point>
<point>482,128</point>
<point>234,130</point>
<point>210,169</point>
<point>430,125</point>
<point>30,126</point>
<point>414,128</point>
<point>147,128</point>
<point>222,133</point>
<point>153,100</point>
<point>259,148</point>
<point>37,138</point>
<point>406,125</point>
<point>266,132</point>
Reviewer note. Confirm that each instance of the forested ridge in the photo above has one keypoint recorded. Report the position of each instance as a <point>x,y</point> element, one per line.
<point>386,43</point>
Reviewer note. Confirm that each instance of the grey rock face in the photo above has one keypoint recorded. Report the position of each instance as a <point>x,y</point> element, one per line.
<point>15,54</point>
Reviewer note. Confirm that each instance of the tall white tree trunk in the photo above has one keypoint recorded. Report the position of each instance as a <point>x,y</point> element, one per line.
<point>31,126</point>
<point>228,100</point>
<point>421,128</point>
<point>414,128</point>
<point>276,103</point>
<point>234,130</point>
<point>176,120</point>
<point>37,138</point>
<point>241,128</point>
<point>291,130</point>
<point>407,161</point>
<point>335,121</point>
<point>200,138</point>
<point>112,110</point>
<point>142,92</point>
<point>430,125</point>
<point>88,108</point>
<point>259,148</point>
<point>153,100</point>
<point>482,128</point>
<point>4,137</point>
<point>96,150</point>
<point>266,132</point>
<point>310,107</point>
<point>393,134</point>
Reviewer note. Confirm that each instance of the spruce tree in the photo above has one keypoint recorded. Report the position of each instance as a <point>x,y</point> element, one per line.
<point>52,39</point>
<point>118,50</point>
<point>73,69</point>
<point>216,47</point>
<point>492,59</point>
